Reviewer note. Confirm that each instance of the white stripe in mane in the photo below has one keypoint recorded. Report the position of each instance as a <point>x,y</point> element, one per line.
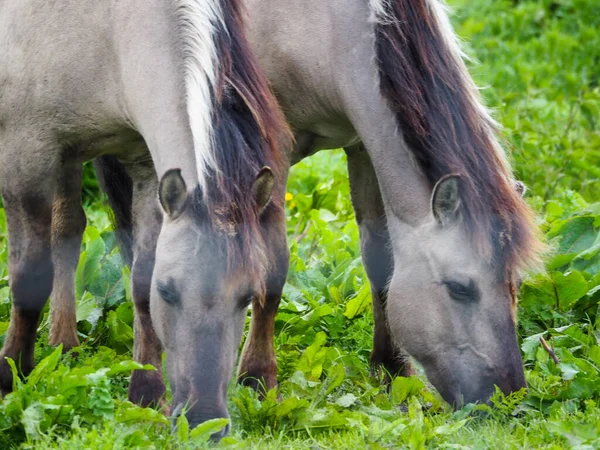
<point>198,21</point>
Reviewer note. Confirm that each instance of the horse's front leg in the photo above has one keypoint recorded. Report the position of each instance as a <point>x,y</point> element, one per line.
<point>27,192</point>
<point>147,388</point>
<point>68,225</point>
<point>258,364</point>
<point>377,258</point>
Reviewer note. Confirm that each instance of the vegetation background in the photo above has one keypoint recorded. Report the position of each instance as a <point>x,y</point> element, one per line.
<point>540,62</point>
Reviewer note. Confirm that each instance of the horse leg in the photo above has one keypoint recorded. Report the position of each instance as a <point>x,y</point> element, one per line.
<point>147,387</point>
<point>258,364</point>
<point>377,258</point>
<point>28,205</point>
<point>68,225</point>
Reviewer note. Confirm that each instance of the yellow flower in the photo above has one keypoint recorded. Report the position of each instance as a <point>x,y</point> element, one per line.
<point>289,196</point>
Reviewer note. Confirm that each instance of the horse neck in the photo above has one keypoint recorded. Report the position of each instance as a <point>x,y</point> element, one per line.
<point>153,73</point>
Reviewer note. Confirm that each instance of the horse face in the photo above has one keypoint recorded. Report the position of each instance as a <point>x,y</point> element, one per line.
<point>450,310</point>
<point>199,302</point>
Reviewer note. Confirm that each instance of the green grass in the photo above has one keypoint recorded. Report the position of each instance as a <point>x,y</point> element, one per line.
<point>541,61</point>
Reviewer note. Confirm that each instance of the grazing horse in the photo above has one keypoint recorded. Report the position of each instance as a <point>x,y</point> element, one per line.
<point>443,227</point>
<point>444,230</point>
<point>169,89</point>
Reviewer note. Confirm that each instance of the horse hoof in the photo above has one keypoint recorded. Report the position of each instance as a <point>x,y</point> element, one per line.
<point>6,377</point>
<point>68,340</point>
<point>147,389</point>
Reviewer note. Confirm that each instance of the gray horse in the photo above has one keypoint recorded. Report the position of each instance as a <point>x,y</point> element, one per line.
<point>444,230</point>
<point>170,89</point>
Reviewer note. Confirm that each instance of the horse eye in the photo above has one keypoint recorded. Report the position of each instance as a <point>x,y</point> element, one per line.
<point>246,301</point>
<point>461,292</point>
<point>168,292</point>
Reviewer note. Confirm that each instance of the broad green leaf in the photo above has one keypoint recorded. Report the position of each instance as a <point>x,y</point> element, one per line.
<point>45,367</point>
<point>288,405</point>
<point>134,414</point>
<point>120,334</point>
<point>570,287</point>
<point>346,400</point>
<point>530,345</point>
<point>568,371</point>
<point>404,387</point>
<point>128,366</point>
<point>91,261</point>
<point>205,430</point>
<point>576,234</point>
<point>539,290</point>
<point>85,306</point>
<point>358,304</point>
<point>32,419</point>
<point>450,428</point>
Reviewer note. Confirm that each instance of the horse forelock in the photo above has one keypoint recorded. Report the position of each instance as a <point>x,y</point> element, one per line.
<point>425,81</point>
<point>236,232</point>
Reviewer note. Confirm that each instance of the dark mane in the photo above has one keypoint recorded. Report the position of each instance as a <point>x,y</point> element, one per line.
<point>248,132</point>
<point>425,81</point>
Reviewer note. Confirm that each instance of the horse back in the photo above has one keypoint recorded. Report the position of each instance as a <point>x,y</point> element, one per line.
<point>66,65</point>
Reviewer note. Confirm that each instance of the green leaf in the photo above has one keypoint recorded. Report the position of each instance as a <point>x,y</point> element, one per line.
<point>85,306</point>
<point>32,419</point>
<point>16,383</point>
<point>120,334</point>
<point>101,402</point>
<point>335,378</point>
<point>346,401</point>
<point>568,371</point>
<point>45,367</point>
<point>594,354</point>
<point>128,366</point>
<point>90,260</point>
<point>404,387</point>
<point>538,290</point>
<point>205,430</point>
<point>576,234</point>
<point>134,414</point>
<point>570,287</point>
<point>182,428</point>
<point>530,345</point>
<point>450,428</point>
<point>359,303</point>
<point>287,406</point>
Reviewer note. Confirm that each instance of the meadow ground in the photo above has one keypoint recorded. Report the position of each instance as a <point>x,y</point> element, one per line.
<point>540,62</point>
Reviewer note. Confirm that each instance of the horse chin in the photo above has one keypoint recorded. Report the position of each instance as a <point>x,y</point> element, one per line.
<point>460,387</point>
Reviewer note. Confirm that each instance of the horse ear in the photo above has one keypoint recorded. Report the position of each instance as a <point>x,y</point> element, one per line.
<point>172,193</point>
<point>445,200</point>
<point>521,188</point>
<point>262,189</point>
